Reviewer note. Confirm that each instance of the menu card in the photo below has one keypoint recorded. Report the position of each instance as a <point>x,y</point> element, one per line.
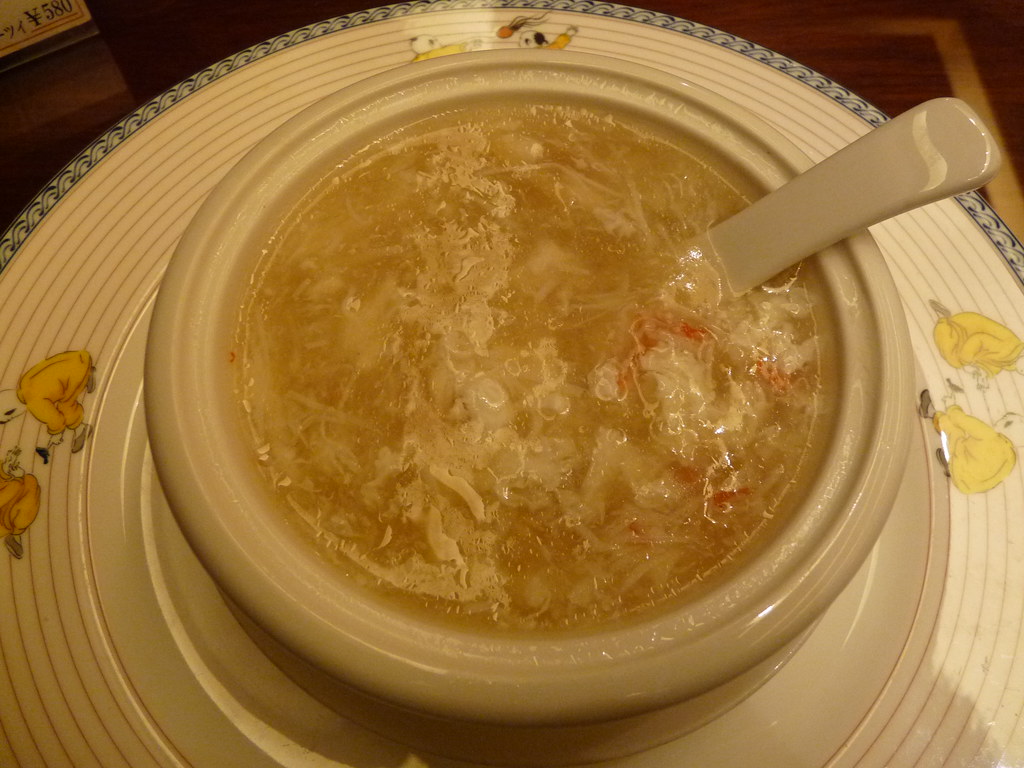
<point>30,28</point>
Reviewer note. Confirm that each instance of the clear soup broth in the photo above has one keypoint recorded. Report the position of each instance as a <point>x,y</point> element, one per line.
<point>482,375</point>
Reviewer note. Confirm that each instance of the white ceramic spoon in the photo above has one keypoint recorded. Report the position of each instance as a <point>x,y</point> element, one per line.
<point>937,149</point>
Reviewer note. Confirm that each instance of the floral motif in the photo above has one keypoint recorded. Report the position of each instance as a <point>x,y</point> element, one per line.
<point>977,455</point>
<point>51,392</point>
<point>19,501</point>
<point>975,342</point>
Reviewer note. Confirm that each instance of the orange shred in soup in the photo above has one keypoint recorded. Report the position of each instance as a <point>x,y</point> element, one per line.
<point>482,375</point>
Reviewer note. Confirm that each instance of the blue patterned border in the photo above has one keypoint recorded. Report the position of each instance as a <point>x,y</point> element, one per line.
<point>1009,246</point>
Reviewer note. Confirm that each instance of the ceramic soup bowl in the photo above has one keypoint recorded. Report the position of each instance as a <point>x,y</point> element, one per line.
<point>488,694</point>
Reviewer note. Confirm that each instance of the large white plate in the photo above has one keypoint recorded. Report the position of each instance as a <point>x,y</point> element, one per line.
<point>115,650</point>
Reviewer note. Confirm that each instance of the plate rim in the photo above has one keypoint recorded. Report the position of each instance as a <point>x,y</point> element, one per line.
<point>15,235</point>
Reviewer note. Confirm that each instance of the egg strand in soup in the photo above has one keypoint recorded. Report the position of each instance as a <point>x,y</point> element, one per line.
<point>481,375</point>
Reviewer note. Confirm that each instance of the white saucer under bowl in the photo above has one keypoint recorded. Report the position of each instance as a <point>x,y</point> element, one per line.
<point>215,680</point>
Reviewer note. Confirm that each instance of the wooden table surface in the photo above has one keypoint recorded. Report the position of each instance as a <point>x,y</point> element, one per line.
<point>894,54</point>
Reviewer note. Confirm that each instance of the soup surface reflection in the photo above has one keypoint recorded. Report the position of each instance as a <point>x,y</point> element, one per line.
<point>481,374</point>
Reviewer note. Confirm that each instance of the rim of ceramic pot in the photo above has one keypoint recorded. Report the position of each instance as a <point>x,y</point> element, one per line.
<point>266,568</point>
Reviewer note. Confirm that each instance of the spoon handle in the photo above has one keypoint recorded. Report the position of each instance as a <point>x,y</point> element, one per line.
<point>937,149</point>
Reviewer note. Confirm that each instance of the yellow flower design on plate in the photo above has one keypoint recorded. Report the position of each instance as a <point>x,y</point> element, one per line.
<point>971,340</point>
<point>19,501</point>
<point>978,456</point>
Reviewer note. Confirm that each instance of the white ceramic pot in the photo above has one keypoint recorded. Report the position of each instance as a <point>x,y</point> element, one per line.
<point>671,671</point>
